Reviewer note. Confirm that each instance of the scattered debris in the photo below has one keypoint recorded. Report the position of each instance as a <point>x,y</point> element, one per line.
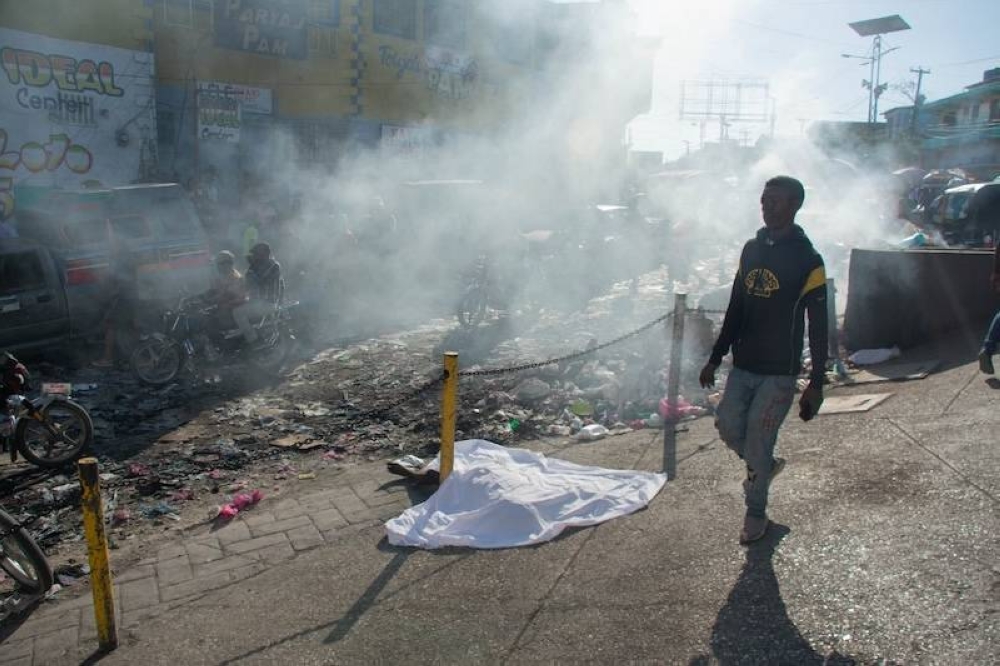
<point>844,404</point>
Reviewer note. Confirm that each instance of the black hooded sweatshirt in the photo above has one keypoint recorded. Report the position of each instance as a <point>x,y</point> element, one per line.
<point>777,282</point>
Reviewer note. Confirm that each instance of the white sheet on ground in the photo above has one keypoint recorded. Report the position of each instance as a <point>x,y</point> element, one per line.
<point>498,497</point>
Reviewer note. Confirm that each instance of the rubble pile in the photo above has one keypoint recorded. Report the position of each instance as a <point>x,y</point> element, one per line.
<point>182,453</point>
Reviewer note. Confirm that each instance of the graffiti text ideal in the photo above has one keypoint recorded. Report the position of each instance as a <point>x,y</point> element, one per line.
<point>39,71</point>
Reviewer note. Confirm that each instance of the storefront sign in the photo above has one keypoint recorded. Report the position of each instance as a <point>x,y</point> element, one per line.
<point>218,113</point>
<point>402,139</point>
<point>72,111</point>
<point>446,73</point>
<point>252,100</point>
<point>267,27</point>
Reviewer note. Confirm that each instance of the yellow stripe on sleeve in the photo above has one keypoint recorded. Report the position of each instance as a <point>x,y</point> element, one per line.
<point>817,278</point>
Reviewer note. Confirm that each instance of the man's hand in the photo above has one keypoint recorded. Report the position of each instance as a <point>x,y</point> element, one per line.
<point>810,402</point>
<point>707,376</point>
<point>995,281</point>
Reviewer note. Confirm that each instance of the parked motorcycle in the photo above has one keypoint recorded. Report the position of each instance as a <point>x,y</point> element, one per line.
<point>21,558</point>
<point>188,341</point>
<point>50,430</point>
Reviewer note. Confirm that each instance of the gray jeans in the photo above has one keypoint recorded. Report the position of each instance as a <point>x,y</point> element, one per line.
<point>248,315</point>
<point>752,410</point>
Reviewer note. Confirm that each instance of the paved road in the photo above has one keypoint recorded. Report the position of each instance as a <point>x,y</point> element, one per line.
<point>884,546</point>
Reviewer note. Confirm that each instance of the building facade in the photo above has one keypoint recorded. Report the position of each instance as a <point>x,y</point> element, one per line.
<point>228,91</point>
<point>963,130</point>
<point>78,93</point>
<point>245,86</point>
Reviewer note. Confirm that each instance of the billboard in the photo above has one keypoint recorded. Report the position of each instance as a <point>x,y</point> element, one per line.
<point>267,27</point>
<point>73,112</point>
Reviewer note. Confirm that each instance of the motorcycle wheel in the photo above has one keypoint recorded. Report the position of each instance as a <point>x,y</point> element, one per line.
<point>21,557</point>
<point>156,362</point>
<point>75,433</point>
<point>272,355</point>
<point>472,308</point>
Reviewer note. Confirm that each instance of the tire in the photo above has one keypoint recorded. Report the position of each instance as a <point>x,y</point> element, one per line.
<point>22,559</point>
<point>472,308</point>
<point>156,362</point>
<point>273,356</point>
<point>40,447</point>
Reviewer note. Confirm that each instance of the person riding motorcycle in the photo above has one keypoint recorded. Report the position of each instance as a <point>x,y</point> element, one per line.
<point>265,289</point>
<point>227,291</point>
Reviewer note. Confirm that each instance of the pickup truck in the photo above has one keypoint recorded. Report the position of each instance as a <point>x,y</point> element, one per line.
<point>53,276</point>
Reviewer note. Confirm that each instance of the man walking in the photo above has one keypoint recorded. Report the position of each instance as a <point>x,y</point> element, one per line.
<point>992,339</point>
<point>780,277</point>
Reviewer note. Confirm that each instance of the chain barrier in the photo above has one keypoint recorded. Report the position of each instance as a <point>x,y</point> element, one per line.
<point>489,372</point>
<point>493,372</point>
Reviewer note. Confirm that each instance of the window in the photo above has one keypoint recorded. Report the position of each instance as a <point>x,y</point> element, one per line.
<point>949,119</point>
<point>131,227</point>
<point>324,12</point>
<point>180,13</point>
<point>396,17</point>
<point>513,31</point>
<point>86,232</point>
<point>21,271</point>
<point>445,22</point>
<point>995,110</point>
<point>974,116</point>
<point>165,126</point>
<point>322,41</point>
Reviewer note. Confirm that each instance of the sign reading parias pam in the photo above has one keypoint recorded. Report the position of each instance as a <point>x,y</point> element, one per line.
<point>73,111</point>
<point>267,27</point>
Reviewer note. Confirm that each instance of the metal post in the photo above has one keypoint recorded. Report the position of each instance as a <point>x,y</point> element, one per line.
<point>449,402</point>
<point>674,384</point>
<point>97,550</point>
<point>833,332</point>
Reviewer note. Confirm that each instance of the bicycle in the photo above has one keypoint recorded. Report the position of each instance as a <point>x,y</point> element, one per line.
<point>498,284</point>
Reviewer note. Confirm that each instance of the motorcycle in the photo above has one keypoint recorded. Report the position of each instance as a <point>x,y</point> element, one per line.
<point>22,560</point>
<point>187,337</point>
<point>49,431</point>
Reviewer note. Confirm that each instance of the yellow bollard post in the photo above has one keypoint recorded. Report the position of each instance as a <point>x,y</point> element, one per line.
<point>449,405</point>
<point>97,550</point>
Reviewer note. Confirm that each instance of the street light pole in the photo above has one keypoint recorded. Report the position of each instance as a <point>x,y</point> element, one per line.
<point>873,81</point>
<point>876,28</point>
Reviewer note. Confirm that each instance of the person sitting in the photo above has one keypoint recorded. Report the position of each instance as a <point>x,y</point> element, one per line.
<point>265,288</point>
<point>227,292</point>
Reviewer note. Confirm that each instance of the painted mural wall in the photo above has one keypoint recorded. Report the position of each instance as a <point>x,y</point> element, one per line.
<point>73,112</point>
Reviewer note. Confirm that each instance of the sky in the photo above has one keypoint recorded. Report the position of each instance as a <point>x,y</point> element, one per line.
<point>796,46</point>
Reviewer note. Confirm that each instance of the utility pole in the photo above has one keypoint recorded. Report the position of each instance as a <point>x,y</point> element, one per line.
<point>919,71</point>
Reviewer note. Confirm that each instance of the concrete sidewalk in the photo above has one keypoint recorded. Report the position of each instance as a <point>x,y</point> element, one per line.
<point>884,546</point>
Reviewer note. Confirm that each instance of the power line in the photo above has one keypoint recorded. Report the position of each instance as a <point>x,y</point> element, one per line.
<point>969,62</point>
<point>781,31</point>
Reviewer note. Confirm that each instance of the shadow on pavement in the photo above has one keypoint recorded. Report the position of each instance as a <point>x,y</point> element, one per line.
<point>341,628</point>
<point>753,627</point>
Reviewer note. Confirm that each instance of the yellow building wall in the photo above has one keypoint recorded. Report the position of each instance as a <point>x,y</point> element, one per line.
<point>410,81</point>
<point>121,23</point>
<point>317,86</point>
<point>399,82</point>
